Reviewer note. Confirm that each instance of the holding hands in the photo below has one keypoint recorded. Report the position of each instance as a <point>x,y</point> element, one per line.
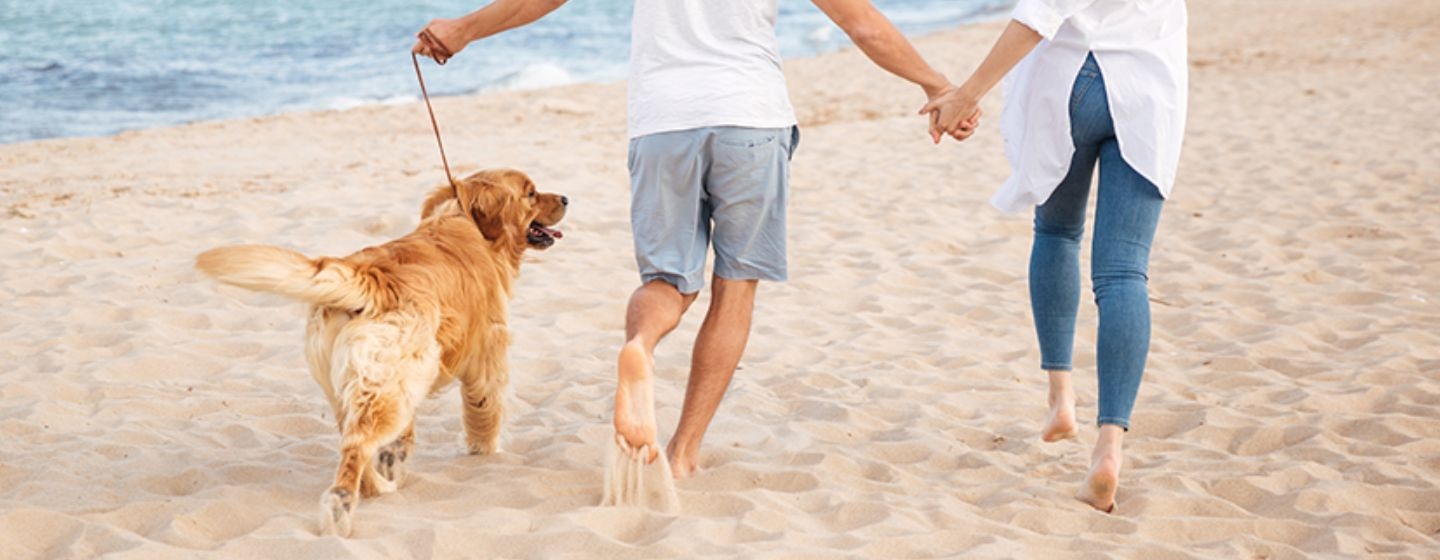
<point>956,111</point>
<point>953,111</point>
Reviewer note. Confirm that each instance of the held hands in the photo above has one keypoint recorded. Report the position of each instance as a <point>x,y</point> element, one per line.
<point>953,111</point>
<point>440,40</point>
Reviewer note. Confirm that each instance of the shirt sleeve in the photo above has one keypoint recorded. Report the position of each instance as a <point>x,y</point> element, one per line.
<point>1046,16</point>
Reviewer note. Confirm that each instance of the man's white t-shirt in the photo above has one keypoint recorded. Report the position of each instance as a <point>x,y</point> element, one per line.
<point>699,63</point>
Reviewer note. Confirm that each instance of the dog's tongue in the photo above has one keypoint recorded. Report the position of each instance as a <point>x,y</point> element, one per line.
<point>557,234</point>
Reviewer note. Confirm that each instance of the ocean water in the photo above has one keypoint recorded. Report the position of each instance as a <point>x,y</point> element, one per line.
<point>93,68</point>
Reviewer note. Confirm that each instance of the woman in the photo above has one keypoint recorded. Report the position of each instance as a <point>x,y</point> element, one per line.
<point>1062,117</point>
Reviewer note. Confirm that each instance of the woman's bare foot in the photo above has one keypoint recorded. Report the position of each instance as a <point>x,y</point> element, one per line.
<point>1103,482</point>
<point>1101,485</point>
<point>635,400</point>
<point>1060,422</point>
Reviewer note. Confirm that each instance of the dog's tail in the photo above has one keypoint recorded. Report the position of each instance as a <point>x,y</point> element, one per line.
<point>325,281</point>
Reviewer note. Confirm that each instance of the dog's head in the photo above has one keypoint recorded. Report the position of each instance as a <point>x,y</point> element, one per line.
<point>505,206</point>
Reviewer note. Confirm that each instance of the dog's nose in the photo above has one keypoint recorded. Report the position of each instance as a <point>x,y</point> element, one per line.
<point>564,200</point>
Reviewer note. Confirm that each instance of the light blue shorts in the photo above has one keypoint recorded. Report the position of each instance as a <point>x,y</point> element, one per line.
<point>726,185</point>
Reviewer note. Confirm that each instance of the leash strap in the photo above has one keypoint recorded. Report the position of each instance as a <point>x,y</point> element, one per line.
<point>441,55</point>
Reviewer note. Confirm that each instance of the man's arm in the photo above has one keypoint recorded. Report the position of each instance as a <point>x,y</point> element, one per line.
<point>500,15</point>
<point>882,43</point>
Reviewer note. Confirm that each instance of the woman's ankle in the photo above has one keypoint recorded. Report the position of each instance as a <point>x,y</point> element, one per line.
<point>1109,444</point>
<point>1060,422</point>
<point>1060,388</point>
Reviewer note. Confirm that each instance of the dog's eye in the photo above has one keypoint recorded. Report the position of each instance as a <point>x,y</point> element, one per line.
<point>531,195</point>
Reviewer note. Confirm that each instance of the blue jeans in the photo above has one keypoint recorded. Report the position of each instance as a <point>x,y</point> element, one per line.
<point>1127,209</point>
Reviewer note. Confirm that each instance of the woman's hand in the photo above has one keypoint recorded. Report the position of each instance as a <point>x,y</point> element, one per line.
<point>955,112</point>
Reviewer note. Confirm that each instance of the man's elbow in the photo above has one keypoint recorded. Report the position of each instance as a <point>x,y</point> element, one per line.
<point>865,34</point>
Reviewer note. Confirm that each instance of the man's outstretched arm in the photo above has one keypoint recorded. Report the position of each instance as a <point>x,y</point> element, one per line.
<point>883,43</point>
<point>500,15</point>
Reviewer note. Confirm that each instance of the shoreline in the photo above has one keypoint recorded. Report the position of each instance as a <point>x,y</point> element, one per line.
<point>541,73</point>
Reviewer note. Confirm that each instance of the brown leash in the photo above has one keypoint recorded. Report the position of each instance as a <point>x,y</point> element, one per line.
<point>441,55</point>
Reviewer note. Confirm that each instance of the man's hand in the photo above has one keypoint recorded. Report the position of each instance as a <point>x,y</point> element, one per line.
<point>447,33</point>
<point>444,38</point>
<point>954,112</point>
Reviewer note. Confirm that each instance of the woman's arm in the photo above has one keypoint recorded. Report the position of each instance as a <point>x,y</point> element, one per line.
<point>958,107</point>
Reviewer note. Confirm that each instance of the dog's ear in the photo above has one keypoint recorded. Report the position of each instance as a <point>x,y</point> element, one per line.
<point>437,197</point>
<point>488,204</point>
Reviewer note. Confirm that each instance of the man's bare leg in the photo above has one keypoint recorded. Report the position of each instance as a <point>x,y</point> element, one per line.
<point>1104,479</point>
<point>654,310</point>
<point>718,347</point>
<point>1060,423</point>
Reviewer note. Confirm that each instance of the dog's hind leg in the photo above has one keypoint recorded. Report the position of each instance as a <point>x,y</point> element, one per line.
<point>387,366</point>
<point>374,417</point>
<point>389,467</point>
<point>321,332</point>
<point>390,461</point>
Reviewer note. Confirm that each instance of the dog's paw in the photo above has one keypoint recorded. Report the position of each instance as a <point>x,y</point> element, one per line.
<point>373,485</point>
<point>337,506</point>
<point>482,448</point>
<point>486,447</point>
<point>390,464</point>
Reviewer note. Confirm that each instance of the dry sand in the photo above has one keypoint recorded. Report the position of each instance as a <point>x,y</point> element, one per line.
<point>889,403</point>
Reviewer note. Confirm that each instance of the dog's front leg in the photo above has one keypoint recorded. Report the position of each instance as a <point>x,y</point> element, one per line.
<point>484,412</point>
<point>483,394</point>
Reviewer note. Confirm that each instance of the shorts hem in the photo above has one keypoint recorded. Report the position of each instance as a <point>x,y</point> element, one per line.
<point>682,284</point>
<point>753,275</point>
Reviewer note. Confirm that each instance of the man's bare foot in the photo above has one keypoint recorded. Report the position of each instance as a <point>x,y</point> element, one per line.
<point>683,464</point>
<point>1060,422</point>
<point>635,399</point>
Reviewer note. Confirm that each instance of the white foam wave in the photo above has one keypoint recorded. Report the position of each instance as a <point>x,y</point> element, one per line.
<point>343,103</point>
<point>535,76</point>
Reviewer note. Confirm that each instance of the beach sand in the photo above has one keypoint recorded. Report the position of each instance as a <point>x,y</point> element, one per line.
<point>890,400</point>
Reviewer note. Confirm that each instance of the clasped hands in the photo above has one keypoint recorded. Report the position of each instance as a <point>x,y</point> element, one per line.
<point>954,111</point>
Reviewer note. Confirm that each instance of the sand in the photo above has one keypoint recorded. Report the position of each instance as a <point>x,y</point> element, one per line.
<point>889,405</point>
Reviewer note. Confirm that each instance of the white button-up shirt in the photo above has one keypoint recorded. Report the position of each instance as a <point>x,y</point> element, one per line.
<point>1141,48</point>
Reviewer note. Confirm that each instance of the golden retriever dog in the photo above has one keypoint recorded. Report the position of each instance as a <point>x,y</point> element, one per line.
<point>393,324</point>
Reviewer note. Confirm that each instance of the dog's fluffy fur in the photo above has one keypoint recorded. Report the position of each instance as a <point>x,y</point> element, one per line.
<point>392,324</point>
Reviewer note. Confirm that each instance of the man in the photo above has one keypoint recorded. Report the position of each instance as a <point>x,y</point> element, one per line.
<point>711,135</point>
